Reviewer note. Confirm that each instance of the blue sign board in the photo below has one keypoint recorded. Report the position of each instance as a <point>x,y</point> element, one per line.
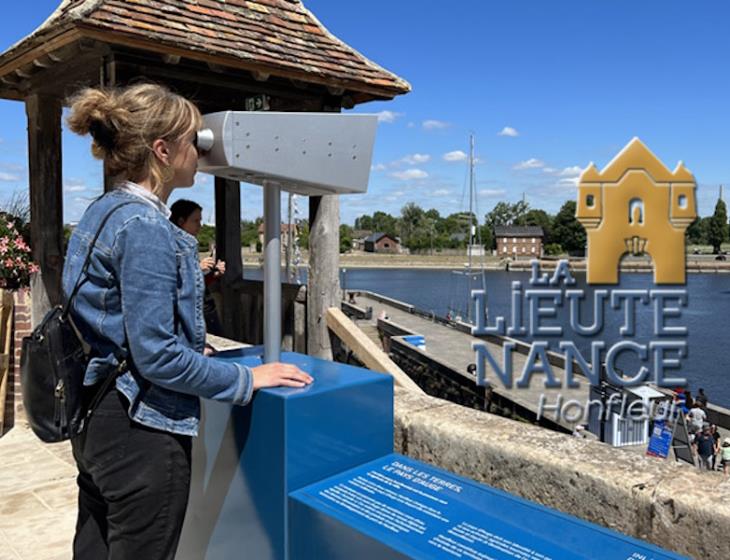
<point>660,442</point>
<point>396,507</point>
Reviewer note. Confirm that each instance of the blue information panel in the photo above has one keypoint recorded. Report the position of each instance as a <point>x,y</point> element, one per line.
<point>396,507</point>
<point>660,442</point>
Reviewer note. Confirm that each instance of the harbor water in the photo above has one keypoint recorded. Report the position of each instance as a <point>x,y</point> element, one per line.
<point>706,316</point>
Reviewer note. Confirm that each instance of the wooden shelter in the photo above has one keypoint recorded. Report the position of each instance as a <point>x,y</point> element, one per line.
<point>223,54</point>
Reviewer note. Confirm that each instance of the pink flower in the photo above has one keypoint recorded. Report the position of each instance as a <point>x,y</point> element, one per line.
<point>9,263</point>
<point>20,244</point>
<point>33,268</point>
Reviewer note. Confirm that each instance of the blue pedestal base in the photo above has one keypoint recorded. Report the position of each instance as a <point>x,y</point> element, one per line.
<point>247,460</point>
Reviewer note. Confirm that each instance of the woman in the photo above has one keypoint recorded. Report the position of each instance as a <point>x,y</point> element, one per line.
<point>188,216</point>
<point>140,309</point>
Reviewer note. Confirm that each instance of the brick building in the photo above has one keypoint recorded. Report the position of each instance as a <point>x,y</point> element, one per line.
<point>519,241</point>
<point>382,243</point>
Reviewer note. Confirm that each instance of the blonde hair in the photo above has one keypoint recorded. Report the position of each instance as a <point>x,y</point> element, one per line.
<point>124,122</point>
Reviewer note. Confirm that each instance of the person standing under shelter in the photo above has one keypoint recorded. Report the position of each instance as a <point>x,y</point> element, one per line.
<point>188,216</point>
<point>138,304</point>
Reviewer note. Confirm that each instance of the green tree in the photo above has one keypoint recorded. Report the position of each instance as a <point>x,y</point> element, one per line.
<point>345,238</point>
<point>694,233</point>
<point>249,233</point>
<point>384,223</point>
<point>413,221</point>
<point>364,222</point>
<point>567,230</point>
<point>206,237</point>
<point>718,230</point>
<point>303,229</point>
<point>535,217</point>
<point>505,214</point>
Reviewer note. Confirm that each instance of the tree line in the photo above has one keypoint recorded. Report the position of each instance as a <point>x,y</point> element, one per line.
<point>420,229</point>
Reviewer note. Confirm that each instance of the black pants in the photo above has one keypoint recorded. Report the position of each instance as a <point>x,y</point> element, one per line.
<point>133,487</point>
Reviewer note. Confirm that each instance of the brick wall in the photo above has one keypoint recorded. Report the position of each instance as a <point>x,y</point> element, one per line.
<point>21,328</point>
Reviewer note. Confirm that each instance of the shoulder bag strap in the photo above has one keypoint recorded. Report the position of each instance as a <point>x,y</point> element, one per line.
<point>83,276</point>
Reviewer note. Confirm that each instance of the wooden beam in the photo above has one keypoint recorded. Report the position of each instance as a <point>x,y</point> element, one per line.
<point>46,201</point>
<point>108,79</point>
<point>323,283</point>
<point>366,350</point>
<point>228,249</point>
<point>171,58</point>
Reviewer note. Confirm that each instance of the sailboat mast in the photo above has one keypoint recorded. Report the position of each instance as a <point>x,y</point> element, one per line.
<point>471,198</point>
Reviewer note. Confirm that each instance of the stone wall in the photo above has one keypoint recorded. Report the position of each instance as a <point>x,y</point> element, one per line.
<point>672,505</point>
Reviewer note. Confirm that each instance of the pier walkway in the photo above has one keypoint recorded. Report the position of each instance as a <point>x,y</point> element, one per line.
<point>454,349</point>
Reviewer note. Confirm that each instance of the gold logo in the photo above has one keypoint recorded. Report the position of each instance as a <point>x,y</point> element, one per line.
<point>636,206</point>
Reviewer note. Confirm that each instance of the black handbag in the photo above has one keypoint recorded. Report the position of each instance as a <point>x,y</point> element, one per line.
<point>53,363</point>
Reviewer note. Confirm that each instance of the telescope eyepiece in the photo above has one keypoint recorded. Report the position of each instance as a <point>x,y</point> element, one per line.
<point>204,140</point>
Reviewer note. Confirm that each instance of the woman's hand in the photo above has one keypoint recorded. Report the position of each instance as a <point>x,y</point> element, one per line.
<point>207,264</point>
<point>279,375</point>
<point>220,268</point>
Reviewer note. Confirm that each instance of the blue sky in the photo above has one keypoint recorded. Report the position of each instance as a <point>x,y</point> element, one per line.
<point>546,87</point>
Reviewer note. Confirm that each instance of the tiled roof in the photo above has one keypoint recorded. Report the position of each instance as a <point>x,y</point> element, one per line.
<point>377,236</point>
<point>518,231</point>
<point>276,37</point>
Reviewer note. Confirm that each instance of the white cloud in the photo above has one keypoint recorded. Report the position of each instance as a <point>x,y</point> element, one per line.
<point>549,170</point>
<point>492,192</point>
<point>388,116</point>
<point>456,155</point>
<point>568,182</point>
<point>434,124</point>
<point>531,163</point>
<point>508,131</point>
<point>74,185</point>
<point>409,174</point>
<point>399,193</point>
<point>9,177</point>
<point>411,124</point>
<point>441,192</point>
<point>414,159</point>
<point>378,167</point>
<point>573,171</point>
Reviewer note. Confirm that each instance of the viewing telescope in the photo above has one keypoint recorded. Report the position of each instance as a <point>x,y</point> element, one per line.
<point>311,154</point>
<point>305,153</point>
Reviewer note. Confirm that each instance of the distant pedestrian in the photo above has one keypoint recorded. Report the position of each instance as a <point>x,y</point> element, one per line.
<point>704,447</point>
<point>697,418</point>
<point>716,435</point>
<point>701,398</point>
<point>725,456</point>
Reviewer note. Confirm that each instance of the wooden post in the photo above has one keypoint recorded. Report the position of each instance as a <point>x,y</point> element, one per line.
<point>46,200</point>
<point>323,282</point>
<point>228,249</point>
<point>108,79</point>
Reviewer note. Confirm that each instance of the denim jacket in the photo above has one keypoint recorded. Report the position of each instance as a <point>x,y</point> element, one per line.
<point>143,302</point>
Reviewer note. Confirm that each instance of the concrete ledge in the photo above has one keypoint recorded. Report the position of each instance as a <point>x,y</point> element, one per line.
<point>669,504</point>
